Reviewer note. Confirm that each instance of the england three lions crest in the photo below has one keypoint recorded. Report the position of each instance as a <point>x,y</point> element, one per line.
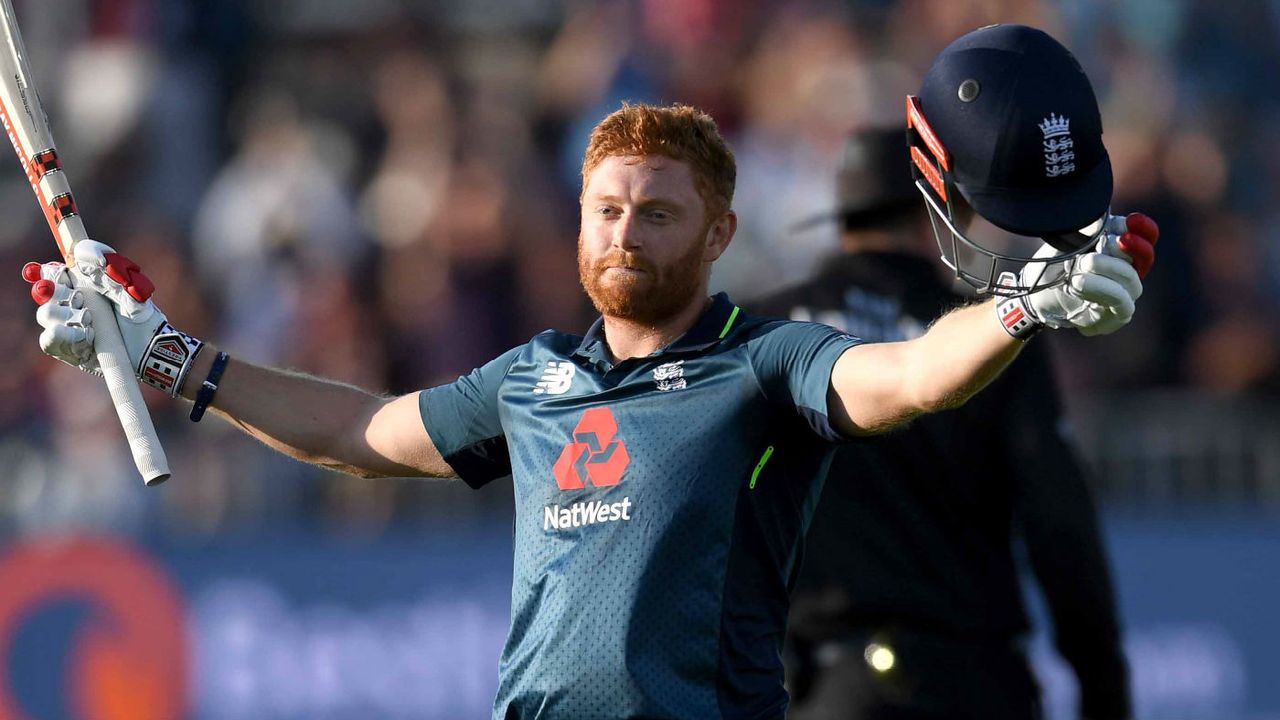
<point>670,376</point>
<point>1059,153</point>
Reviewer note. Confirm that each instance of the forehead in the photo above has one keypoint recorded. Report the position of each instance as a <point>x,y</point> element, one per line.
<point>652,176</point>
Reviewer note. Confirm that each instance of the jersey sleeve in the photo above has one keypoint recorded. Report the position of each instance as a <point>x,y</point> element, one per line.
<point>793,363</point>
<point>463,421</point>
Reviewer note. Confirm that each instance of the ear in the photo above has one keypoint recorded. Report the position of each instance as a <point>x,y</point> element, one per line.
<point>719,235</point>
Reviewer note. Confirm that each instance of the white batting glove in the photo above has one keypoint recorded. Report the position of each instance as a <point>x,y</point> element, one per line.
<point>159,354</point>
<point>1101,288</point>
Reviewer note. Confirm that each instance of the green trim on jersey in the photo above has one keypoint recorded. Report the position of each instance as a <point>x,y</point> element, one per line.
<point>729,323</point>
<point>760,466</point>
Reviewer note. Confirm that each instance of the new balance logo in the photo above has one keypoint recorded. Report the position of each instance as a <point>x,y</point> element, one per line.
<point>556,379</point>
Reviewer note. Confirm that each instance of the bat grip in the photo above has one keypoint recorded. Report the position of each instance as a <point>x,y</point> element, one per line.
<point>126,394</point>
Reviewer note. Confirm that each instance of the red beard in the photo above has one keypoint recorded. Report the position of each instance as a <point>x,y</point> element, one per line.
<point>651,298</point>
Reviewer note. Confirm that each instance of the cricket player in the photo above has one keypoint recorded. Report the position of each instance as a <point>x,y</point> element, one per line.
<point>909,601</point>
<point>665,463</point>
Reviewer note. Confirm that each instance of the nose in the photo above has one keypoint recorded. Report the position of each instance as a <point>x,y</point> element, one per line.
<point>626,234</point>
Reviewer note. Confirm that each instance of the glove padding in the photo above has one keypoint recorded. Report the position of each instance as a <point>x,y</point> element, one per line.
<point>68,326</point>
<point>158,354</point>
<point>1098,295</point>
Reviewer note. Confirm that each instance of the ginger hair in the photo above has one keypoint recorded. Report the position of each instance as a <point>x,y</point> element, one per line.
<point>680,132</point>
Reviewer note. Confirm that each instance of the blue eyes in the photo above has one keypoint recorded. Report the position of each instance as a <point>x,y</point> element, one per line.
<point>662,216</point>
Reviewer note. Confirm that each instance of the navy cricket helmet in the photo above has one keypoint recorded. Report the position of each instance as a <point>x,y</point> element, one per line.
<point>1007,123</point>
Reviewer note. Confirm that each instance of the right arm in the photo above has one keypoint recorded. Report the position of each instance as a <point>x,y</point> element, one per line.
<point>323,422</point>
<point>318,421</point>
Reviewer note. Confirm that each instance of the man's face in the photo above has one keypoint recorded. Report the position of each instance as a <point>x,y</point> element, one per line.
<point>646,243</point>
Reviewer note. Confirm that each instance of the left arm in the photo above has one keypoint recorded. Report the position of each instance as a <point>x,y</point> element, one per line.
<point>878,386</point>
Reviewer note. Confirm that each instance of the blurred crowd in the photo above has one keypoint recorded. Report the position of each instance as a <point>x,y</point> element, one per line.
<point>385,192</point>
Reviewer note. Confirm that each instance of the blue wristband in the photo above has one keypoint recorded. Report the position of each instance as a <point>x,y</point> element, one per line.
<point>209,386</point>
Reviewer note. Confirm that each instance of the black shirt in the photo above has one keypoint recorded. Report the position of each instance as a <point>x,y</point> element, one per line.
<point>915,529</point>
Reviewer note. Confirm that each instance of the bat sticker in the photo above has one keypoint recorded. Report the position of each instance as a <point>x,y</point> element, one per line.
<point>46,161</point>
<point>64,206</point>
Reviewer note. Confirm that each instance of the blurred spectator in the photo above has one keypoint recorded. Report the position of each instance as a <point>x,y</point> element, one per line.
<point>386,191</point>
<point>274,214</point>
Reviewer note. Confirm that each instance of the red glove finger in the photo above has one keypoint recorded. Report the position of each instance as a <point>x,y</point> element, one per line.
<point>1143,225</point>
<point>41,289</point>
<point>1139,243</point>
<point>31,272</point>
<point>127,273</point>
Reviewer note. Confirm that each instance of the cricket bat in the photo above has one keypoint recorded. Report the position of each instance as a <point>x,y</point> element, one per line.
<point>28,129</point>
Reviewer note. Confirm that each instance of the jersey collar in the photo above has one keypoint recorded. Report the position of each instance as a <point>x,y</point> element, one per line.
<point>712,327</point>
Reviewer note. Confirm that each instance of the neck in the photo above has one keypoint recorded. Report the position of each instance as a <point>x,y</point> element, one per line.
<point>627,339</point>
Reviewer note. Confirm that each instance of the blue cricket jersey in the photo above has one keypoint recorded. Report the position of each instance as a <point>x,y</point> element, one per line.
<point>661,505</point>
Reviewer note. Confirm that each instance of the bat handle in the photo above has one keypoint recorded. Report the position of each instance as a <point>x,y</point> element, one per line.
<point>126,394</point>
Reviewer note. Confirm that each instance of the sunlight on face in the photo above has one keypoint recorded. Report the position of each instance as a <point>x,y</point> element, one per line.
<point>642,247</point>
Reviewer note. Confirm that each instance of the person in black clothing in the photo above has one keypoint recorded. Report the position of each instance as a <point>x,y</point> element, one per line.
<point>908,603</point>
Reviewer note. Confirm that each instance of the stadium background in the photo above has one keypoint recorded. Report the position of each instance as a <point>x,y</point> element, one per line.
<point>385,192</point>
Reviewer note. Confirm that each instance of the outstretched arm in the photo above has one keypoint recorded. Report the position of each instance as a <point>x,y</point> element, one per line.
<point>323,422</point>
<point>878,386</point>
<point>319,421</point>
<point>875,387</point>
